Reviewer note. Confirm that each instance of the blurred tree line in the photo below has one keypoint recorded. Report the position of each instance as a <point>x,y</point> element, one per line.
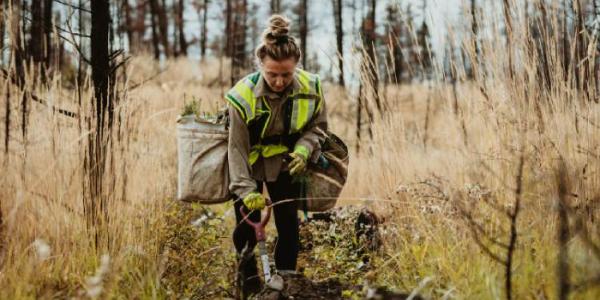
<point>51,33</point>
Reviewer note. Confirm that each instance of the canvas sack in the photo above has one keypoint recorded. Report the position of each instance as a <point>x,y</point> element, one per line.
<point>203,172</point>
<point>326,178</point>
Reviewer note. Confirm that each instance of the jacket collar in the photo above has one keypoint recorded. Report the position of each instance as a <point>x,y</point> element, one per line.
<point>262,89</point>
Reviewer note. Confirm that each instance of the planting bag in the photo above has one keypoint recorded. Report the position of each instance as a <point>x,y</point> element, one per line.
<point>203,172</point>
<point>327,177</point>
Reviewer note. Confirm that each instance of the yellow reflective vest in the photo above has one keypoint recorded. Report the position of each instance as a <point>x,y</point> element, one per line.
<point>306,103</point>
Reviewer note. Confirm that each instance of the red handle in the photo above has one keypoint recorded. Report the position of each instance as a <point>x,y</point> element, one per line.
<point>259,227</point>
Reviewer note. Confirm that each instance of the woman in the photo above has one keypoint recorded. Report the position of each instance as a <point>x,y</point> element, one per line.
<point>275,114</point>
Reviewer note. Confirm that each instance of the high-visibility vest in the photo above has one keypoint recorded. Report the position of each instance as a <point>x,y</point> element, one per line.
<point>306,103</point>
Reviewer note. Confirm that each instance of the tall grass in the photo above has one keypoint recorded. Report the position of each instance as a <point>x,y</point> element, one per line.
<point>435,146</point>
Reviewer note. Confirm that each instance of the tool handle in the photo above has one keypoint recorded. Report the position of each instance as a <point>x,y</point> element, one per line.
<point>259,227</point>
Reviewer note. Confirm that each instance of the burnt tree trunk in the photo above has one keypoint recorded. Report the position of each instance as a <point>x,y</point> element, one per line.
<point>163,25</point>
<point>160,27</point>
<point>475,33</point>
<point>180,26</point>
<point>581,69</point>
<point>203,32</point>
<point>237,36</point>
<point>275,6</point>
<point>2,30</point>
<point>339,37</point>
<point>370,37</point>
<point>7,122</point>
<point>509,42</point>
<point>140,25</point>
<point>565,41</point>
<point>128,26</point>
<point>100,63</point>
<point>48,33</point>
<point>303,9</point>
<point>228,28</point>
<point>153,18</point>
<point>35,50</point>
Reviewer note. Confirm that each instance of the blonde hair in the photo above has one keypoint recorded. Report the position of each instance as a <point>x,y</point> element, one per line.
<point>276,43</point>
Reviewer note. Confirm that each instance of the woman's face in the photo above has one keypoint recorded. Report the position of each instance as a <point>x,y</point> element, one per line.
<point>278,74</point>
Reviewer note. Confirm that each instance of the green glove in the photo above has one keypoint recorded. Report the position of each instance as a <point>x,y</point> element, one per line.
<point>254,201</point>
<point>299,159</point>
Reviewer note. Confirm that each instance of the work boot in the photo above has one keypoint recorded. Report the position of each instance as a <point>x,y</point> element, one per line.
<point>248,281</point>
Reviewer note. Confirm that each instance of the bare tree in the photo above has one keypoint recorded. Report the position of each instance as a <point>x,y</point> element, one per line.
<point>139,25</point>
<point>370,38</point>
<point>490,242</point>
<point>155,30</point>
<point>562,266</point>
<point>96,209</point>
<point>508,22</point>
<point>475,37</point>
<point>127,26</point>
<point>48,29</point>
<point>425,55</point>
<point>574,221</point>
<point>275,6</point>
<point>160,27</point>
<point>339,37</point>
<point>180,22</point>
<point>236,26</point>
<point>202,9</point>
<point>303,21</point>
<point>2,30</point>
<point>394,37</point>
<point>36,33</point>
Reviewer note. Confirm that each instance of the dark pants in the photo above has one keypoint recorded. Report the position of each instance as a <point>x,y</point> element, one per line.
<point>286,221</point>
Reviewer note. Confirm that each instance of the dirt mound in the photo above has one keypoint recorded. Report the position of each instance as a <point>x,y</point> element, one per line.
<point>297,286</point>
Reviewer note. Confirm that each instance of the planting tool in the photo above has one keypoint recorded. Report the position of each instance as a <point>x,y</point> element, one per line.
<point>275,282</point>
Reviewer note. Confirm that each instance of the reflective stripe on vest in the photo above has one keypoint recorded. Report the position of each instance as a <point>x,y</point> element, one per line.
<point>307,102</point>
<point>265,151</point>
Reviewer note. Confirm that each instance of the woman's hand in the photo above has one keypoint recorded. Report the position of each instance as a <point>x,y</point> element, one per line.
<point>298,163</point>
<point>254,201</point>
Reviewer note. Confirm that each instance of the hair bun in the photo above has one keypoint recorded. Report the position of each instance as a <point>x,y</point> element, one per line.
<point>279,26</point>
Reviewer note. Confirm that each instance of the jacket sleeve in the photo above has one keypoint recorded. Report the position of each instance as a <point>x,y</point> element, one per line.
<point>241,182</point>
<point>314,134</point>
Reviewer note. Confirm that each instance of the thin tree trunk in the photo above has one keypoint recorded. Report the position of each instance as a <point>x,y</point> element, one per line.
<point>204,29</point>
<point>275,6</point>
<point>140,24</point>
<point>228,29</point>
<point>508,21</point>
<point>303,30</point>
<point>238,36</point>
<point>182,41</point>
<point>596,75</point>
<point>339,34</point>
<point>2,30</point>
<point>563,236</point>
<point>48,33</point>
<point>7,122</point>
<point>370,35</point>
<point>359,116</point>
<point>566,42</point>
<point>160,29</point>
<point>100,75</point>
<point>163,25</point>
<point>582,69</point>
<point>153,18</point>
<point>36,32</point>
<point>475,33</point>
<point>128,26</point>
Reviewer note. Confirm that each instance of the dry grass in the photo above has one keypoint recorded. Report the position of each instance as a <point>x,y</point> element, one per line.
<point>470,155</point>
